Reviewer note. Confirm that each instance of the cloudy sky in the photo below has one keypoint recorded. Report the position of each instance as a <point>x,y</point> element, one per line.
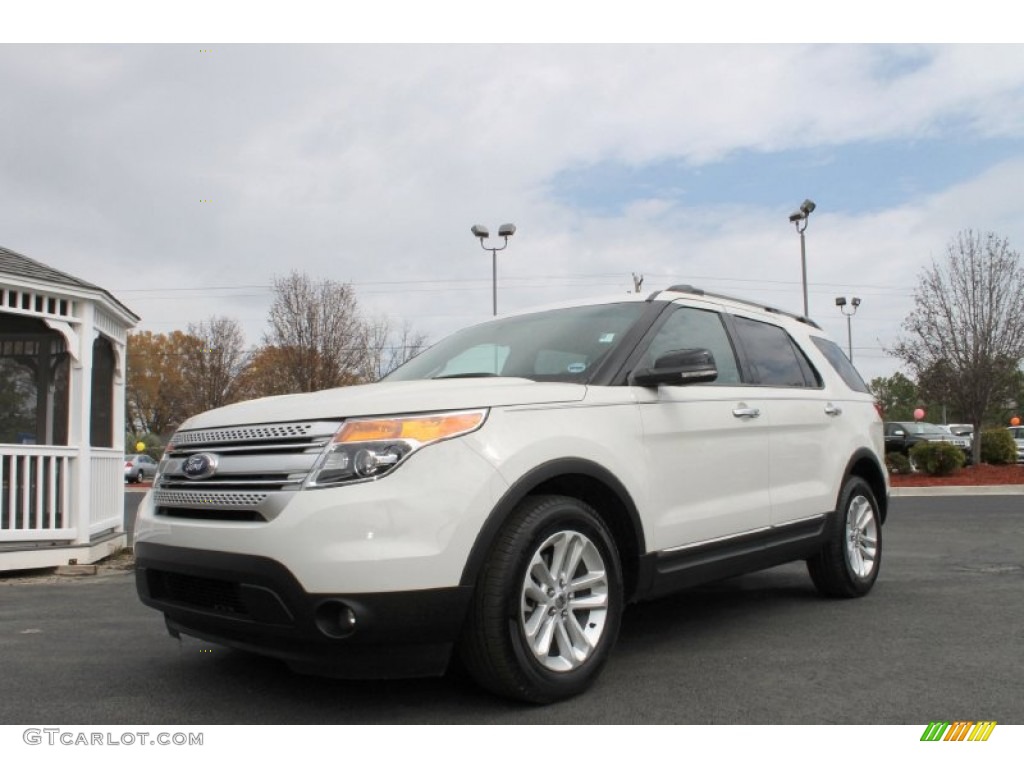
<point>185,177</point>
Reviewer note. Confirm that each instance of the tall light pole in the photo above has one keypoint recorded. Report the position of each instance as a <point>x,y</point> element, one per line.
<point>800,218</point>
<point>854,303</point>
<point>505,231</point>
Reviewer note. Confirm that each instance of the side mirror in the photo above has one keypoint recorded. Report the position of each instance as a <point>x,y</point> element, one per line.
<point>681,366</point>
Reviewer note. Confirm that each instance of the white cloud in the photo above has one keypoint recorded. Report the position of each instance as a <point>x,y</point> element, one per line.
<point>369,164</point>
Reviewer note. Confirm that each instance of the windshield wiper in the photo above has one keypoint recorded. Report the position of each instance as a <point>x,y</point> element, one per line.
<point>476,375</point>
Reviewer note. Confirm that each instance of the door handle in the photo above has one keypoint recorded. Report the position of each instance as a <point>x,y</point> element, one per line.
<point>832,410</point>
<point>746,413</point>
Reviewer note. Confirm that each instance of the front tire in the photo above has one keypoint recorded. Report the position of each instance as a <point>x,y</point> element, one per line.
<point>848,563</point>
<point>548,604</point>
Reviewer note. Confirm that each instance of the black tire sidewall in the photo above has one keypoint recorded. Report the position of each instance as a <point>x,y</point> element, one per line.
<point>858,487</point>
<point>564,515</point>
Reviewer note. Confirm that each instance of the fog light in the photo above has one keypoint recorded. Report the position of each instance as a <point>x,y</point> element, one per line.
<point>335,619</point>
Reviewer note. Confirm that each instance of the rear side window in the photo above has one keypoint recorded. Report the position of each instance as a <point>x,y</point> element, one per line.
<point>841,363</point>
<point>774,356</point>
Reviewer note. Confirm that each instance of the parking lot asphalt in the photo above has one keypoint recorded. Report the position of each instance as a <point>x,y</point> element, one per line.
<point>938,638</point>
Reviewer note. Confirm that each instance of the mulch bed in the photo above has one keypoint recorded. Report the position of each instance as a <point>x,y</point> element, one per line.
<point>981,474</point>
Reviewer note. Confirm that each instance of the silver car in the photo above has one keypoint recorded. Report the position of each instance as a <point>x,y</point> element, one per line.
<point>1018,437</point>
<point>139,467</point>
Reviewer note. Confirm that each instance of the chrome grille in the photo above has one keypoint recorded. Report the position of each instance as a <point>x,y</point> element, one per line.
<point>258,468</point>
<point>243,434</point>
<point>207,498</point>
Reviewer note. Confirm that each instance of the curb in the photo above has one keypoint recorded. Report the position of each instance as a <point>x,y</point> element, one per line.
<point>958,490</point>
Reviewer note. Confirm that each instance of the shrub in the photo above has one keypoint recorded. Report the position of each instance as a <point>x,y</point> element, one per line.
<point>897,463</point>
<point>937,458</point>
<point>997,447</point>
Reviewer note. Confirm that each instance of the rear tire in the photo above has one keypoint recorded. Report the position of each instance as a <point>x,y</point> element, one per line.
<point>848,563</point>
<point>547,605</point>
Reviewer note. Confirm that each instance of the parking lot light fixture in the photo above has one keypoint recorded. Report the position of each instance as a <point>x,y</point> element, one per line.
<point>505,231</point>
<point>800,218</point>
<point>853,304</point>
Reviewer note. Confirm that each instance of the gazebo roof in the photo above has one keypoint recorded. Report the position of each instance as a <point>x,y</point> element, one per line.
<point>19,265</point>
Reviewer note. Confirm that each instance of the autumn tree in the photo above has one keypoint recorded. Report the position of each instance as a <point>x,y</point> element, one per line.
<point>156,395</point>
<point>318,333</point>
<point>968,323</point>
<point>261,376</point>
<point>214,356</point>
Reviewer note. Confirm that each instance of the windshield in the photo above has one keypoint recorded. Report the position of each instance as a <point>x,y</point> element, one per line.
<point>924,428</point>
<point>556,345</point>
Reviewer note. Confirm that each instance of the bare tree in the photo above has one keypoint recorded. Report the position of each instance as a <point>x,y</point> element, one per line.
<point>387,348</point>
<point>214,362</point>
<point>317,332</point>
<point>965,335</point>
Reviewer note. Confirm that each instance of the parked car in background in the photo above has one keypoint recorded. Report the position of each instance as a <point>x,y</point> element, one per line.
<point>901,436</point>
<point>138,467</point>
<point>1018,437</point>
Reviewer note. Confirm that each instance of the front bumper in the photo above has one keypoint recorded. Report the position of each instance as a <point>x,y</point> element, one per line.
<point>256,604</point>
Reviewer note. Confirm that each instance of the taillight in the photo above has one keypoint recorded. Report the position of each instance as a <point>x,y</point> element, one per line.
<point>878,409</point>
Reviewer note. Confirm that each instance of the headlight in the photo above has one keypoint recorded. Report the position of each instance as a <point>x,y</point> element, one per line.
<point>366,449</point>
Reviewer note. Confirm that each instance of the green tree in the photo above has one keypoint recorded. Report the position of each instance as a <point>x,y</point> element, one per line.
<point>897,395</point>
<point>968,321</point>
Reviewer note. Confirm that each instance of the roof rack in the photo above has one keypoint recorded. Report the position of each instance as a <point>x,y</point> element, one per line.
<point>686,288</point>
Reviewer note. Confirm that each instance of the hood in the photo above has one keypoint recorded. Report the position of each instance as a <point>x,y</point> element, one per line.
<point>386,398</point>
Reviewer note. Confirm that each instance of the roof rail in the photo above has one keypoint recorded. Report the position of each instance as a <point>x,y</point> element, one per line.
<point>685,288</point>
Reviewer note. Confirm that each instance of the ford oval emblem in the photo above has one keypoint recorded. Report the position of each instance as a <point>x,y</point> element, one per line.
<point>199,466</point>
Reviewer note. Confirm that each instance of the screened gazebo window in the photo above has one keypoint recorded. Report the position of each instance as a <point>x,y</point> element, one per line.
<point>101,414</point>
<point>33,383</point>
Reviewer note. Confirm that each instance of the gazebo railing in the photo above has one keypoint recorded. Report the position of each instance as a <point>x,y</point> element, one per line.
<point>106,507</point>
<point>36,493</point>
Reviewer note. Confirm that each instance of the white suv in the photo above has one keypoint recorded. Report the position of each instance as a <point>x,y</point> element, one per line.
<point>505,494</point>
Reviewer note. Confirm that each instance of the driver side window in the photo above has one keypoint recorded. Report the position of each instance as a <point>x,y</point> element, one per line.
<point>689,328</point>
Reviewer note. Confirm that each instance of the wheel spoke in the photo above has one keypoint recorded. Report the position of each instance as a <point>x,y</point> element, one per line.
<point>579,637</point>
<point>541,640</point>
<point>575,554</point>
<point>534,591</point>
<point>856,561</point>
<point>589,602</point>
<point>558,553</point>
<point>540,574</point>
<point>565,646</point>
<point>588,581</point>
<point>532,625</point>
<point>863,513</point>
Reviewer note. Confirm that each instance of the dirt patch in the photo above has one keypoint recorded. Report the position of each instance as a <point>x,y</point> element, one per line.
<point>980,474</point>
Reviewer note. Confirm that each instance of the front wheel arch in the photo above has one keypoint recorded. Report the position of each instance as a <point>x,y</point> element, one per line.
<point>864,465</point>
<point>577,478</point>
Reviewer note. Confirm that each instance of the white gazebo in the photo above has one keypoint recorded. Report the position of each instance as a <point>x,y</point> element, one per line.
<point>62,379</point>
